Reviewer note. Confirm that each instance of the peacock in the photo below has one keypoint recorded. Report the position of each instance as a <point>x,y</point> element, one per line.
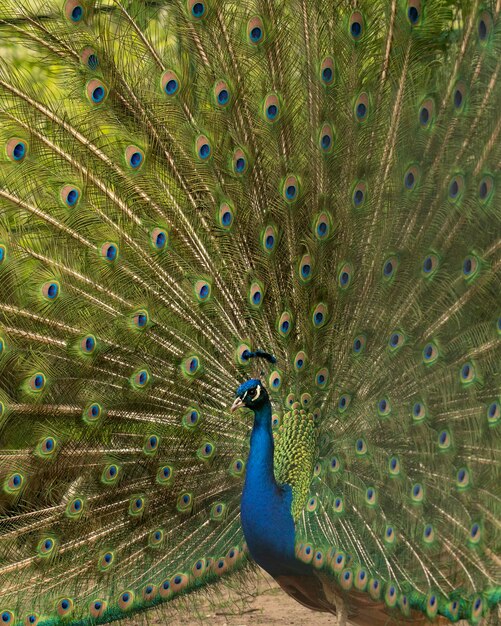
<point>250,312</point>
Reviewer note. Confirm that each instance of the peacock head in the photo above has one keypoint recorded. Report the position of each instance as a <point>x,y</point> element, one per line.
<point>251,395</point>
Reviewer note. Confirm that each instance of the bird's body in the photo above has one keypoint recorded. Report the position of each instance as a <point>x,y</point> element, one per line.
<point>187,188</point>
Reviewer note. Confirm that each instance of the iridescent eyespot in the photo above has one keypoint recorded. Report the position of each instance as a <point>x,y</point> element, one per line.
<point>430,265</point>
<point>390,268</point>
<point>109,252</point>
<point>493,413</point>
<point>343,402</point>
<point>394,466</point>
<point>239,162</point>
<point>88,344</point>
<point>64,606</point>
<point>452,610</point>
<point>468,373</point>
<point>484,26</point>
<point>322,377</point>
<point>92,413</point>
<point>312,505</point>
<point>327,71</point>
<point>383,407</point>
<point>256,295</point>
<point>414,12</point>
<point>305,268</point>
<point>459,96</point>
<point>164,474</point>
<point>202,290</point>
<point>134,157</point>
<point>477,607</point>
<point>126,600</point>
<point>485,189</point>
<point>269,239</point>
<point>322,226</point>
<point>185,502</point>
<point>361,579</point>
<point>206,451</point>
<point>375,588</point>
<point>338,505</point>
<point>140,379</point>
<point>217,511</point>
<point>225,215</point>
<point>444,440</point>
<point>47,446</point>
<point>371,496</point>
<point>31,619</point>
<point>106,560</point>
<point>284,324</point>
<point>475,533</point>
<point>338,561</point>
<point>326,139</point>
<point>241,354</point>
<point>140,319</point>
<point>319,315</point>
<point>428,534</point>
<point>275,380</point>
<point>290,188</point>
<point>432,605</point>
<point>37,382</point>
<point>426,113</point>
<point>70,195</point>
<point>156,538</point>
<point>430,353</point>
<point>411,178</point>
<point>110,474</point>
<point>417,493</point>
<point>418,411</point>
<point>151,444</point>
<point>345,274</point>
<point>360,447</point>
<point>463,478</point>
<point>396,340</point>
<point>50,290</point>
<point>359,344</point>
<point>191,418</point>
<point>46,546</point>
<point>237,467</point>
<point>389,535</point>
<point>335,465</point>
<point>356,25</point>
<point>136,505</point>
<point>471,267</point>
<point>358,194</point>
<point>255,30</point>
<point>221,93</point>
<point>191,366</point>
<point>456,187</point>
<point>16,149</point>
<point>89,58</point>
<point>199,568</point>
<point>346,579</point>
<point>203,147</point>
<point>305,400</point>
<point>300,361</point>
<point>275,421</point>
<point>165,589</point>
<point>14,483</point>
<point>361,108</point>
<point>75,508</point>
<point>271,108</point>
<point>97,608</point>
<point>74,11</point>
<point>3,253</point>
<point>96,91</point>
<point>170,83</point>
<point>197,9</point>
<point>391,596</point>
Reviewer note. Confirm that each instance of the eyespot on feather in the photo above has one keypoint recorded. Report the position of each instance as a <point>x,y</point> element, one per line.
<point>322,377</point>
<point>14,483</point>
<point>432,605</point>
<point>88,344</point>
<point>418,411</point>
<point>185,502</point>
<point>359,194</point>
<point>414,12</point>
<point>375,588</point>
<point>96,91</point>
<point>31,620</point>
<point>226,215</point>
<point>430,353</point>
<point>16,149</point>
<point>300,361</point>
<point>140,379</point>
<point>191,366</point>
<point>485,189</point>
<point>430,265</point>
<point>361,579</point>
<point>206,451</point>
<point>165,589</point>
<point>140,319</point>
<point>444,440</point>
<point>390,268</point>
<point>290,189</point>
<point>74,10</point>
<point>64,606</point>
<point>47,447</point>
<point>222,94</point>
<point>239,162</point>
<point>394,468</point>
<point>203,148</point>
<point>92,412</point>
<point>305,269</point>
<point>275,381</point>
<point>3,253</point>
<point>155,538</point>
<point>346,579</point>
<point>471,267</point>
<point>322,226</point>
<point>426,113</point>
<point>197,9</point>
<point>126,600</point>
<point>218,511</point>
<point>428,534</point>
<point>319,315</point>
<point>109,252</point>
<point>97,608</point>
<point>136,505</point>
<point>110,474</point>
<point>345,275</point>
<point>356,25</point>
<point>475,534</point>
<point>134,157</point>
<point>360,447</point>
<point>391,596</point>
<point>484,27</point>
<point>50,290</point>
<point>170,83</point>
<point>359,344</point>
<point>459,96</point>
<point>106,560</point>
<point>256,295</point>
<point>383,407</point>
<point>463,479</point>
<point>240,351</point>
<point>271,108</point>
<point>327,71</point>
<point>335,465</point>
<point>70,195</point>
<point>494,413</point>
<point>89,58</point>
<point>338,561</point>
<point>343,402</point>
<point>75,508</point>
<point>37,382</point>
<point>411,178</point>
<point>46,547</point>
<point>151,444</point>
<point>305,400</point>
<point>396,340</point>
<point>237,467</point>
<point>164,475</point>
<point>326,138</point>
<point>452,610</point>
<point>255,30</point>
<point>371,496</point>
<point>456,188</point>
<point>361,108</point>
<point>468,373</point>
<point>477,608</point>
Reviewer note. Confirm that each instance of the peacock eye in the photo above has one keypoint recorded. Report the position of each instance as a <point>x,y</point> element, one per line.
<point>252,392</point>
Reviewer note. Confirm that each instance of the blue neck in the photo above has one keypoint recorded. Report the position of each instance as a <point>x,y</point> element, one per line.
<point>266,506</point>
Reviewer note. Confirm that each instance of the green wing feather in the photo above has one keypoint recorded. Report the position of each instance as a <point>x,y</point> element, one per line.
<point>181,181</point>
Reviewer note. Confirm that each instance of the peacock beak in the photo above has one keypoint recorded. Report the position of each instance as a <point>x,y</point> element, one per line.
<point>237,404</point>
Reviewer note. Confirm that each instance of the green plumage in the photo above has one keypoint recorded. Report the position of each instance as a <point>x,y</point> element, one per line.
<point>182,181</point>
